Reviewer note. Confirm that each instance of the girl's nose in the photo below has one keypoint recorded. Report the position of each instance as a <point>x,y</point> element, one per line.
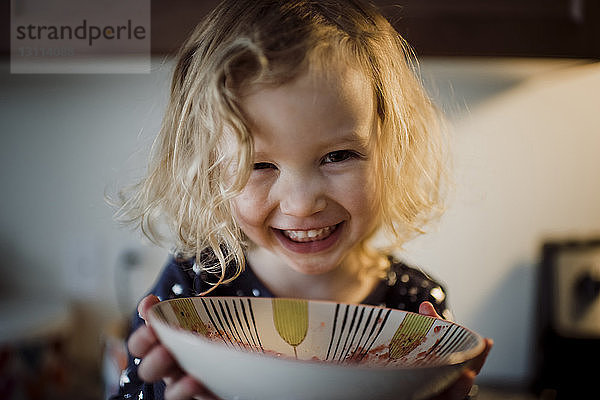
<point>301,197</point>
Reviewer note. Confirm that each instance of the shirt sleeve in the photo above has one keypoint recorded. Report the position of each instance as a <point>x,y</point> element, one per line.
<point>409,287</point>
<point>177,279</point>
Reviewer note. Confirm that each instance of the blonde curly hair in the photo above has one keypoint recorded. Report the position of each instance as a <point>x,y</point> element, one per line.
<point>242,43</point>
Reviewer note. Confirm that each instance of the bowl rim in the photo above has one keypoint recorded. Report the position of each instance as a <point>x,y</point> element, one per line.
<point>459,357</point>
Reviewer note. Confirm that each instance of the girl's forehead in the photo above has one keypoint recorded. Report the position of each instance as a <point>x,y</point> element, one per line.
<point>316,66</point>
<point>313,107</point>
<point>343,79</point>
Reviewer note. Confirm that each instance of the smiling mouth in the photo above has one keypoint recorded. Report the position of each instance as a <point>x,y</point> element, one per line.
<point>312,235</point>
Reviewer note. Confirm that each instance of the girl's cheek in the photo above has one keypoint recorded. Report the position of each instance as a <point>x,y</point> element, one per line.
<point>250,206</point>
<point>364,195</point>
<point>358,186</point>
<point>243,203</point>
<point>243,215</point>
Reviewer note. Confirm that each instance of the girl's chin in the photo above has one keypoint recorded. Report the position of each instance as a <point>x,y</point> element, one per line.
<point>313,269</point>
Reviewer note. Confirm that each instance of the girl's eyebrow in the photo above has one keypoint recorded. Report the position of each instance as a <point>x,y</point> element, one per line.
<point>350,139</point>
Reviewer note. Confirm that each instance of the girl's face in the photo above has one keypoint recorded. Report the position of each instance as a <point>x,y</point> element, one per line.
<point>311,196</point>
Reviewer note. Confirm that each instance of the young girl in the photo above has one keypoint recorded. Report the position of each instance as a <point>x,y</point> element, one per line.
<point>296,131</point>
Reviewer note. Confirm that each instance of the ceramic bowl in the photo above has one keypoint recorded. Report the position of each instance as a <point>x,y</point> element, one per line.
<point>247,348</point>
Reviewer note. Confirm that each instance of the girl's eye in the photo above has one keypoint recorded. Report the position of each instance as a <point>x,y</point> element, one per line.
<point>263,165</point>
<point>339,156</point>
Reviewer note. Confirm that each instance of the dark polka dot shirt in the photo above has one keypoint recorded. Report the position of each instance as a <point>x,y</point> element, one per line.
<point>403,288</point>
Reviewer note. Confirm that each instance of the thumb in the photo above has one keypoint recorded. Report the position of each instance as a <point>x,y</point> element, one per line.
<point>426,308</point>
<point>145,304</point>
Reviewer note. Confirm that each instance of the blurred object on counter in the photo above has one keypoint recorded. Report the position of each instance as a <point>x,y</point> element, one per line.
<point>506,391</point>
<point>114,357</point>
<point>34,361</point>
<point>569,319</point>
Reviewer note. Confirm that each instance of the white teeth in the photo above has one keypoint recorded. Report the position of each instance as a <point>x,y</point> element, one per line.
<point>309,236</point>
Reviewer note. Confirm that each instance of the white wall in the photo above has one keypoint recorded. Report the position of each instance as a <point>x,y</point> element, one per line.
<point>526,137</point>
<point>527,167</point>
<point>66,139</point>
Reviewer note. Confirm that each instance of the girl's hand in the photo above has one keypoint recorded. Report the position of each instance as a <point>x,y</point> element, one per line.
<point>157,363</point>
<point>460,389</point>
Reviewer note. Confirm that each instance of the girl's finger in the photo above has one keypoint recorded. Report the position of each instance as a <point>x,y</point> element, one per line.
<point>426,308</point>
<point>173,376</point>
<point>157,364</point>
<point>480,359</point>
<point>187,388</point>
<point>145,305</point>
<point>141,341</point>
<point>461,388</point>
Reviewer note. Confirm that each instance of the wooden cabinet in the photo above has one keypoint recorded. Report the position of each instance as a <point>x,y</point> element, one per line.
<point>539,28</point>
<point>544,28</point>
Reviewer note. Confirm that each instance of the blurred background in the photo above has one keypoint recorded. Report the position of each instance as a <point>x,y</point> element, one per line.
<point>518,248</point>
